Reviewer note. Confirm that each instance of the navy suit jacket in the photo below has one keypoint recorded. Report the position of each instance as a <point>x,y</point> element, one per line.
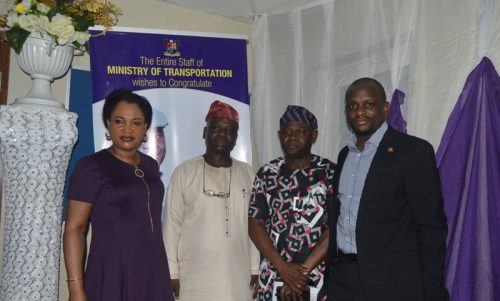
<point>401,227</point>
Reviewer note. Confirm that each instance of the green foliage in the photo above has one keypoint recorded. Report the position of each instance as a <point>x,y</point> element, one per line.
<point>16,37</point>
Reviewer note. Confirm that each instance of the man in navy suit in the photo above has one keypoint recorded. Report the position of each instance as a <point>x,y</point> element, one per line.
<point>387,224</point>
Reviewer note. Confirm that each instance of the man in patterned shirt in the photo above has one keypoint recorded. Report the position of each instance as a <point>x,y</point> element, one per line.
<point>287,213</point>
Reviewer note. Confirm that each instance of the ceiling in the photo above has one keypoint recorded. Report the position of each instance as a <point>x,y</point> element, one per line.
<point>243,10</point>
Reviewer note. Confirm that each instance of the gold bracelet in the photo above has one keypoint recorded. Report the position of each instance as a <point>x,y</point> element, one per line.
<point>74,279</point>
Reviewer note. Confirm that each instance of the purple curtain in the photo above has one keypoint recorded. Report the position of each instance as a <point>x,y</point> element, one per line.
<point>395,118</point>
<point>469,163</point>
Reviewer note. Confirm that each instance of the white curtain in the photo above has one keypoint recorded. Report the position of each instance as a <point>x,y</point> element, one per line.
<point>309,56</point>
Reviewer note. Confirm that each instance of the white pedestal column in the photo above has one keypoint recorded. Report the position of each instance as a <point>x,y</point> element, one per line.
<point>35,147</point>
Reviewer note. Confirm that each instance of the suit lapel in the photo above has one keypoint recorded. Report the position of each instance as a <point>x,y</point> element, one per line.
<point>376,172</point>
<point>340,164</point>
<point>334,210</point>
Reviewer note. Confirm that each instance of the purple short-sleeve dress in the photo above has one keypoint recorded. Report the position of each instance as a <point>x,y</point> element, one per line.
<point>127,259</point>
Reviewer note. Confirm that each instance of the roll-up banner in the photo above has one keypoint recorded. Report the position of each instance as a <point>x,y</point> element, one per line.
<point>181,74</point>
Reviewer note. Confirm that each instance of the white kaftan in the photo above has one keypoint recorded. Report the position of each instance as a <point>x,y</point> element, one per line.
<point>206,238</point>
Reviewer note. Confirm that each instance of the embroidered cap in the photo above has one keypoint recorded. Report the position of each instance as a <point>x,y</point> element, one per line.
<point>299,114</point>
<point>222,110</point>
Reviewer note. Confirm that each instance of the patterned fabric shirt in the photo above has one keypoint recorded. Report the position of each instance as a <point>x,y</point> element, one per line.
<point>293,206</point>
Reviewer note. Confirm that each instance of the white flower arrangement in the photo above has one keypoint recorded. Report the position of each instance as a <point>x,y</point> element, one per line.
<point>65,21</point>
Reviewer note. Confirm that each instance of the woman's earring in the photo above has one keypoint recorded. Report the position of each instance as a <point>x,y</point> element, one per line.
<point>107,135</point>
<point>145,138</point>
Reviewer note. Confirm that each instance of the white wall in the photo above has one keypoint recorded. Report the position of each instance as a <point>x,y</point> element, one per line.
<point>144,14</point>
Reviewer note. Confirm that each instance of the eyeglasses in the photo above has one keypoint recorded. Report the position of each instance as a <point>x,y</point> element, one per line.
<point>211,193</point>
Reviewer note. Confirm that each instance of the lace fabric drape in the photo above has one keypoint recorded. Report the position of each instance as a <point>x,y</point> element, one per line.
<point>35,147</point>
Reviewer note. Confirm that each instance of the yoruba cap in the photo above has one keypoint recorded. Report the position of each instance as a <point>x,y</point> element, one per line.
<point>299,114</point>
<point>222,110</point>
<point>159,120</point>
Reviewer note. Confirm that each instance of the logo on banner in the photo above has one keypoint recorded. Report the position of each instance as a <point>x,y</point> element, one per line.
<point>172,47</point>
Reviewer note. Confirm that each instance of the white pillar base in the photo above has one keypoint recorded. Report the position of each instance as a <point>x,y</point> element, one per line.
<point>35,148</point>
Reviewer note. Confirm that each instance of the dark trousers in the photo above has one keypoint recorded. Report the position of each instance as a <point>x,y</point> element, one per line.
<point>344,283</point>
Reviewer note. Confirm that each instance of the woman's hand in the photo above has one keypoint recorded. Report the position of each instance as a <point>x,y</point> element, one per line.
<point>76,292</point>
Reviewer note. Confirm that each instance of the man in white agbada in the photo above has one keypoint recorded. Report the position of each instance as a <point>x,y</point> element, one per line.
<point>205,232</point>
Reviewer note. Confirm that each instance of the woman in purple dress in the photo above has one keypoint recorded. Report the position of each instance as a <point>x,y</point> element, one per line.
<point>119,191</point>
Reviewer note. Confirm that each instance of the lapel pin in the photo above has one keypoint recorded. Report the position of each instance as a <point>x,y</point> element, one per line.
<point>390,149</point>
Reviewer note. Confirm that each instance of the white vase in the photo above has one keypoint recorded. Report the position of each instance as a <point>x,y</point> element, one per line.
<point>44,61</point>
